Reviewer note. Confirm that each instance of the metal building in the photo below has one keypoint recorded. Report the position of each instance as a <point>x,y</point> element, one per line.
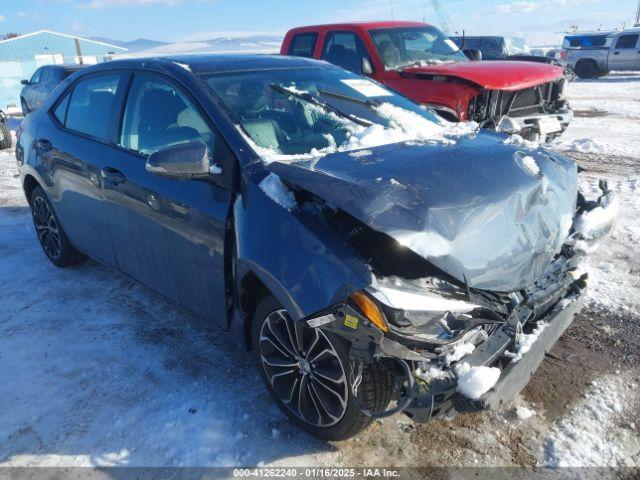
<point>21,56</point>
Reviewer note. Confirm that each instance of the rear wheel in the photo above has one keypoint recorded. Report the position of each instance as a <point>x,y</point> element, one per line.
<point>5,136</point>
<point>308,372</point>
<point>587,69</point>
<point>50,233</point>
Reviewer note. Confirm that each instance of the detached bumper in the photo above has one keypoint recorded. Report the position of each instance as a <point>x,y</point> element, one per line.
<point>441,397</point>
<point>516,376</point>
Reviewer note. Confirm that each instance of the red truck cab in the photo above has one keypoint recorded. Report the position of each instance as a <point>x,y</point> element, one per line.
<point>422,63</point>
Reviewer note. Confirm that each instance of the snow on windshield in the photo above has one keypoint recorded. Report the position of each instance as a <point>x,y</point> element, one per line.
<point>403,126</point>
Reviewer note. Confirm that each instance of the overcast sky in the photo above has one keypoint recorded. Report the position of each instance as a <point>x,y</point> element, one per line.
<point>174,20</point>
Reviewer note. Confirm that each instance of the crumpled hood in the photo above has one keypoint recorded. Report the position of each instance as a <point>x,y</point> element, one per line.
<point>502,75</point>
<point>488,213</point>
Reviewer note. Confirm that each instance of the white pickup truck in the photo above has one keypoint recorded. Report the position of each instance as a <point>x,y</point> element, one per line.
<point>595,54</point>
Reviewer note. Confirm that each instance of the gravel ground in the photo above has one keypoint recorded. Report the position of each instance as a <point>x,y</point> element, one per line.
<point>99,371</point>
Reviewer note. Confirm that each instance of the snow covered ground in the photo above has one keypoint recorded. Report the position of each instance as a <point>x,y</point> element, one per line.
<point>96,370</point>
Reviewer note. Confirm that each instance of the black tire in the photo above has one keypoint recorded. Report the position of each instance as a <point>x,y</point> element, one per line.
<point>5,137</point>
<point>587,69</point>
<point>53,240</point>
<point>25,107</point>
<point>375,391</point>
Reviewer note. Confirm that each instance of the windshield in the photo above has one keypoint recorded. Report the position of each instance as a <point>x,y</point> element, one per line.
<point>316,111</point>
<point>400,47</point>
<point>517,46</point>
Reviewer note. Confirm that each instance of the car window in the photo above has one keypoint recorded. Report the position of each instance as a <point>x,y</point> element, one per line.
<point>35,78</point>
<point>46,75</point>
<point>587,41</point>
<point>92,104</point>
<point>344,49</point>
<point>61,110</point>
<point>627,41</point>
<point>303,45</point>
<point>492,48</point>
<point>158,115</point>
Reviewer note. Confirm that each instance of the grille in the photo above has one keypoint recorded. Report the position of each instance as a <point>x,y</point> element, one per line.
<point>493,104</point>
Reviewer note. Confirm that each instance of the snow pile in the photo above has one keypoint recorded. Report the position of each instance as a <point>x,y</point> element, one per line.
<point>473,382</point>
<point>524,413</point>
<point>525,342</point>
<point>521,142</point>
<point>215,169</point>
<point>592,224</point>
<point>278,192</point>
<point>530,164</point>
<point>583,145</point>
<point>459,351</point>
<point>429,373</point>
<point>584,438</point>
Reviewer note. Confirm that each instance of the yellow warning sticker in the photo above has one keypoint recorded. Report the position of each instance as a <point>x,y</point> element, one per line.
<point>351,321</point>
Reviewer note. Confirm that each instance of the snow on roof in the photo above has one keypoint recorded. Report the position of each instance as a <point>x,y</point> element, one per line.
<point>38,32</point>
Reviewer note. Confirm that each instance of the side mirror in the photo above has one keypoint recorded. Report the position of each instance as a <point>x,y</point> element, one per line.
<point>25,82</point>
<point>184,161</point>
<point>473,54</point>
<point>367,68</point>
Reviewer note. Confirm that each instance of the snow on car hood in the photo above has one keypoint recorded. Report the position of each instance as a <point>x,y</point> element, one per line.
<point>476,209</point>
<point>503,75</point>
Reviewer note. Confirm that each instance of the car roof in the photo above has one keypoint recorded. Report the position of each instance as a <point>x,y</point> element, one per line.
<point>363,25</point>
<point>214,63</point>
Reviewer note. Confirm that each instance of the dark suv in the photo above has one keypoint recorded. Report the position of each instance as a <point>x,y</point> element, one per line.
<point>41,84</point>
<point>367,250</point>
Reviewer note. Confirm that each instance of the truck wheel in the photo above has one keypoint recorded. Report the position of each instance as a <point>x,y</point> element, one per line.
<point>308,374</point>
<point>50,233</point>
<point>587,69</point>
<point>5,136</point>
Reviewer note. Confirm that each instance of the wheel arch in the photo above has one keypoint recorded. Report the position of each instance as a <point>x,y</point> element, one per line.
<point>28,185</point>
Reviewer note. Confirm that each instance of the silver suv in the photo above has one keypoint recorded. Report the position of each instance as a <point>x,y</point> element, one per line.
<point>596,54</point>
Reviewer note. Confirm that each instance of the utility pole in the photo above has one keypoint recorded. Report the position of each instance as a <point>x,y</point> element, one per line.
<point>442,16</point>
<point>637,24</point>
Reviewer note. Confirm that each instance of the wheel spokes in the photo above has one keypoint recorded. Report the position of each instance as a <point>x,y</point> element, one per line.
<point>304,370</point>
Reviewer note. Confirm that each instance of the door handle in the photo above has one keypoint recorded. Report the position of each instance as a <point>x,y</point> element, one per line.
<point>616,53</point>
<point>44,145</point>
<point>112,175</point>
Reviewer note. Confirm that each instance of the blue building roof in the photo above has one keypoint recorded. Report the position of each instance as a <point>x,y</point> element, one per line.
<point>44,42</point>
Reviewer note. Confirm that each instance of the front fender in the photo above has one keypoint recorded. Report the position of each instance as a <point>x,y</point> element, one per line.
<point>304,264</point>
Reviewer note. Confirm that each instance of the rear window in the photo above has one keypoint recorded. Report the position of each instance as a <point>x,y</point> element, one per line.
<point>303,45</point>
<point>587,41</point>
<point>92,104</point>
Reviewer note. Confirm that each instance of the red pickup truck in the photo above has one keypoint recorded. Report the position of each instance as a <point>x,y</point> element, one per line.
<point>422,63</point>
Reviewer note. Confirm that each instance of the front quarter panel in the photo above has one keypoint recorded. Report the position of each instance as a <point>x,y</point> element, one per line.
<point>304,265</point>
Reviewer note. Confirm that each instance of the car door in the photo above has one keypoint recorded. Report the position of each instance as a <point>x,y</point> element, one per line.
<point>74,143</point>
<point>42,88</point>
<point>170,234</point>
<point>625,54</point>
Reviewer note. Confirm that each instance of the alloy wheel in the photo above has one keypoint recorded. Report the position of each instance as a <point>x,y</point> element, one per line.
<point>304,370</point>
<point>47,228</point>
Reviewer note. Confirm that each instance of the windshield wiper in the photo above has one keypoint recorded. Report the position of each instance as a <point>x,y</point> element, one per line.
<point>342,96</point>
<point>307,97</point>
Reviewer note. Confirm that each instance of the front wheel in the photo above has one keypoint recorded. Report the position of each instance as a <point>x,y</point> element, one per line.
<point>308,372</point>
<point>50,233</point>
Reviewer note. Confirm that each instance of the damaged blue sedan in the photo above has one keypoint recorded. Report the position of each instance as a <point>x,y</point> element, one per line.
<point>376,258</point>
